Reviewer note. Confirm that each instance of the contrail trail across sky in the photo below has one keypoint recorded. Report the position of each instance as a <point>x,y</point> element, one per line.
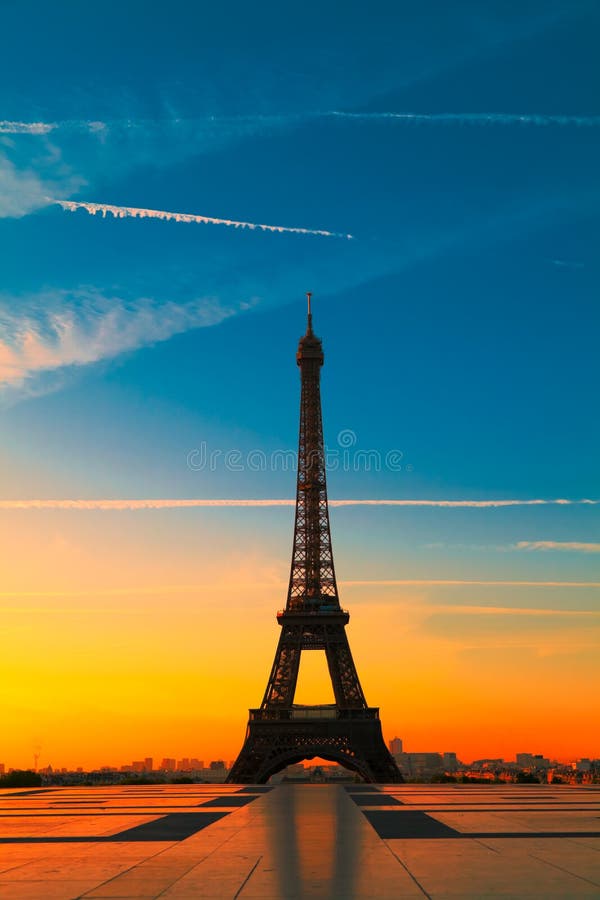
<point>123,212</point>
<point>477,118</point>
<point>442,118</point>
<point>7,127</point>
<point>141,590</point>
<point>133,504</point>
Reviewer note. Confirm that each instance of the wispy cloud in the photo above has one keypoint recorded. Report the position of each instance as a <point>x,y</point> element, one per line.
<point>123,212</point>
<point>56,329</point>
<point>476,504</point>
<point>449,582</point>
<point>568,263</point>
<point>577,546</point>
<point>467,610</point>
<point>7,127</point>
<point>474,118</point>
<point>183,503</point>
<point>521,545</point>
<point>191,126</point>
<point>256,121</point>
<point>226,585</point>
<point>23,190</point>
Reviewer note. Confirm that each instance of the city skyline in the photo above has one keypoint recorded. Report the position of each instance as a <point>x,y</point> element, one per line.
<point>425,760</point>
<point>434,183</point>
<point>188,762</point>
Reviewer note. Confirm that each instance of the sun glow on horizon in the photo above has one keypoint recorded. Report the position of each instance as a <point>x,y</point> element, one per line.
<point>108,678</point>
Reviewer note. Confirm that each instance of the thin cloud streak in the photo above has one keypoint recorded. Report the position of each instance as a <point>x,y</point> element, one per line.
<point>428,582</point>
<point>103,128</point>
<point>23,191</point>
<point>443,118</point>
<point>27,127</point>
<point>477,504</point>
<point>160,590</point>
<point>133,504</point>
<point>477,118</point>
<point>124,212</point>
<point>579,546</point>
<point>568,263</point>
<point>467,610</point>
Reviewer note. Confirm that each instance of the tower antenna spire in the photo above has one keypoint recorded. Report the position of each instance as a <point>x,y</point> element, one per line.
<point>308,300</point>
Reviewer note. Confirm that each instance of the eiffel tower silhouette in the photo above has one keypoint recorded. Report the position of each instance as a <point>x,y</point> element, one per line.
<point>281,732</point>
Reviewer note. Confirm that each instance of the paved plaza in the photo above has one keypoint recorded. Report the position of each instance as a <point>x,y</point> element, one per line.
<point>296,841</point>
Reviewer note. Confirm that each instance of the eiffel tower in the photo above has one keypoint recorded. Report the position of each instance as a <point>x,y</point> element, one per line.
<point>281,732</point>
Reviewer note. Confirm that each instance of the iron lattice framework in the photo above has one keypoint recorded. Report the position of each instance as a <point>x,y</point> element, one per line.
<point>281,732</point>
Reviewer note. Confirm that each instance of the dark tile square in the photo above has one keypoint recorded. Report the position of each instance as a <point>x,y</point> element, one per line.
<point>173,827</point>
<point>258,789</point>
<point>407,824</point>
<point>358,788</point>
<point>376,800</point>
<point>230,800</point>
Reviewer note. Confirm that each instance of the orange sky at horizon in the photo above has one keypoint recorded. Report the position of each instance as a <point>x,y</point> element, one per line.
<point>103,665</point>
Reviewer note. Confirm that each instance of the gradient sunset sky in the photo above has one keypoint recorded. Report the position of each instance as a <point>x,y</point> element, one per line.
<point>450,154</point>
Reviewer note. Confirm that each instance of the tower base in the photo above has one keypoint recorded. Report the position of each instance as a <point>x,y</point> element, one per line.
<point>276,738</point>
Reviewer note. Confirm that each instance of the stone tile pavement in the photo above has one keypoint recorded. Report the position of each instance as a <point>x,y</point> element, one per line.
<point>300,841</point>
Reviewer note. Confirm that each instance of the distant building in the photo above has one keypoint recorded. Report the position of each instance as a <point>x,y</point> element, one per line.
<point>1,768</point>
<point>168,764</point>
<point>451,763</point>
<point>395,746</point>
<point>524,760</point>
<point>148,762</point>
<point>196,764</point>
<point>137,765</point>
<point>583,765</point>
<point>426,762</point>
<point>183,765</point>
<point>532,761</point>
<point>487,764</point>
<point>419,764</point>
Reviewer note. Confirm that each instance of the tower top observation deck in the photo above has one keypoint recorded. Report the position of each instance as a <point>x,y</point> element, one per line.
<point>309,346</point>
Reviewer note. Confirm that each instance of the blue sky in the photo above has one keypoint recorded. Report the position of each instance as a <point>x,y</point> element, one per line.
<point>457,143</point>
<point>460,322</point>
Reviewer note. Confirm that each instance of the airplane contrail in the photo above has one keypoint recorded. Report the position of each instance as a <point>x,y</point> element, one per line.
<point>141,590</point>
<point>7,127</point>
<point>459,582</point>
<point>123,212</point>
<point>97,126</point>
<point>478,118</point>
<point>443,118</point>
<point>135,504</point>
<point>477,504</point>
